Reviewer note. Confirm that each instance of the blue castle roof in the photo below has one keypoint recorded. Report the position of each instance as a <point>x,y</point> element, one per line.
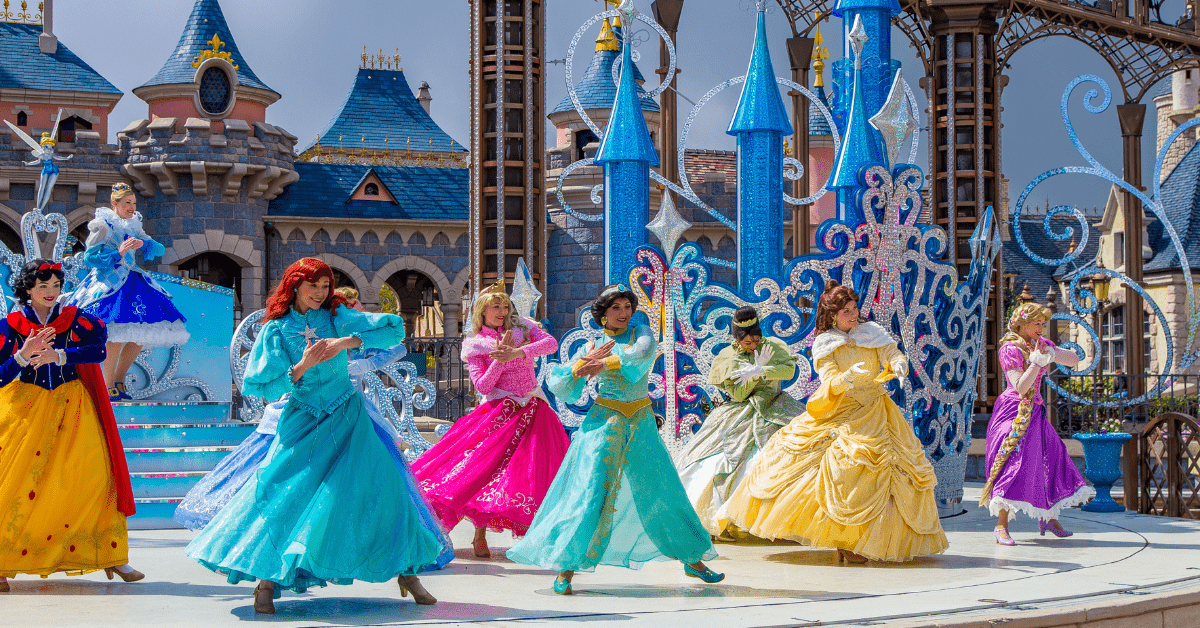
<point>597,90</point>
<point>380,106</point>
<point>324,190</point>
<point>206,20</point>
<point>24,66</point>
<point>626,137</point>
<point>761,107</point>
<point>817,125</point>
<point>1181,204</point>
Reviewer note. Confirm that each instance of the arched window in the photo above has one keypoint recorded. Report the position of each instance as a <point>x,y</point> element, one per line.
<point>371,189</point>
<point>215,91</point>
<point>22,118</point>
<point>215,268</point>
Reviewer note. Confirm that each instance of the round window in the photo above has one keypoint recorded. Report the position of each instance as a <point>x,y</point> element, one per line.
<point>214,91</point>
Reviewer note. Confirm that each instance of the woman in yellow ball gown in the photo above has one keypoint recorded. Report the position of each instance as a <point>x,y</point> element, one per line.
<point>848,474</point>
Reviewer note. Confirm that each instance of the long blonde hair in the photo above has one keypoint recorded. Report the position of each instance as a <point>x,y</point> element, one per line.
<point>511,321</point>
<point>1025,314</point>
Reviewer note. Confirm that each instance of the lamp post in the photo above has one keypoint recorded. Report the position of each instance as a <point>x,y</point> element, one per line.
<point>1099,283</point>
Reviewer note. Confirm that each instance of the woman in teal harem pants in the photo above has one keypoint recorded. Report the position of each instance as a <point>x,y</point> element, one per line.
<point>617,499</point>
<point>328,504</point>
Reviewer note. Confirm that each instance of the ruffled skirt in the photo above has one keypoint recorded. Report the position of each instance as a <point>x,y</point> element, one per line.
<point>495,465</point>
<point>58,500</point>
<point>138,313</point>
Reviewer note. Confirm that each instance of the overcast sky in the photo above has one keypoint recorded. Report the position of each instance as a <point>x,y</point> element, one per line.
<point>309,51</point>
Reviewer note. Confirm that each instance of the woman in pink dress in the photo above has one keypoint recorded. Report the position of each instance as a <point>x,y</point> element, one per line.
<point>495,464</point>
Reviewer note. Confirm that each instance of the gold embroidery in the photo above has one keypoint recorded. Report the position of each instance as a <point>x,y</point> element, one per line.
<point>626,408</point>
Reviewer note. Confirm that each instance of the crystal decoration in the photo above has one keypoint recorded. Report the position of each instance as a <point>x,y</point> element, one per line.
<point>895,120</point>
<point>668,226</point>
<point>525,295</point>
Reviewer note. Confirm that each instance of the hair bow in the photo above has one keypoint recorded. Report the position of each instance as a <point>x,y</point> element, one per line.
<point>48,266</point>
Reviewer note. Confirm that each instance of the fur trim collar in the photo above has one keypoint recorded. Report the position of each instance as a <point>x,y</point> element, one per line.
<point>870,335</point>
<point>133,224</point>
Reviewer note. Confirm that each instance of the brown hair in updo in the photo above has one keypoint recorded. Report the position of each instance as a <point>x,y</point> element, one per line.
<point>835,298</point>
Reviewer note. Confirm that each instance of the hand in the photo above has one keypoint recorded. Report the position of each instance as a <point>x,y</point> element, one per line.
<point>1041,357</point>
<point>132,244</point>
<point>857,369</point>
<point>594,361</point>
<point>316,353</point>
<point>900,367</point>
<point>590,369</point>
<point>504,351</point>
<point>601,352</point>
<point>50,356</point>
<point>764,355</point>
<point>748,373</point>
<point>38,344</point>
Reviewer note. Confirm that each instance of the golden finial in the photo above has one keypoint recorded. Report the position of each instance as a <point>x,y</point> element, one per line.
<point>396,58</point>
<point>364,59</point>
<point>215,53</point>
<point>607,40</point>
<point>786,147</point>
<point>820,54</point>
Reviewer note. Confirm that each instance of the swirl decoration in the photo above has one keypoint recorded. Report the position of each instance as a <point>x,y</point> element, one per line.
<point>891,260</point>
<point>33,224</point>
<point>397,401</point>
<point>1084,301</point>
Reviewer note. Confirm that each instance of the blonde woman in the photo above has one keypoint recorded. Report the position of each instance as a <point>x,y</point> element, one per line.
<point>136,310</point>
<point>1030,470</point>
<point>495,464</point>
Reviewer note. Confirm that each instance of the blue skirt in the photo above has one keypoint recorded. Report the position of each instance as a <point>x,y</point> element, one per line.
<point>138,313</point>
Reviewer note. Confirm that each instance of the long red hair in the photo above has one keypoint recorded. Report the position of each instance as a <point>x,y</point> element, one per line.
<point>308,269</point>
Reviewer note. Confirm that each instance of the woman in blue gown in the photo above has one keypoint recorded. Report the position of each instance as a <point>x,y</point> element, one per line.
<point>328,504</point>
<point>617,499</point>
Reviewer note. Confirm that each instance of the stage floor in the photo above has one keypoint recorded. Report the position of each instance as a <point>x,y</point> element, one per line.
<point>1114,561</point>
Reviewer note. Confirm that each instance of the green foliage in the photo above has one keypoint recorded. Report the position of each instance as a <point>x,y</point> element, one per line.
<point>387,300</point>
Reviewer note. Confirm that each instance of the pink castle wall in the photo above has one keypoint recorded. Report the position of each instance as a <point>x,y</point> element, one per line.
<point>41,116</point>
<point>183,107</point>
<point>820,164</point>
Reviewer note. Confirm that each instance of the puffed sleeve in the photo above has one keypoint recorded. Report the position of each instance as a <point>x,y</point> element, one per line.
<point>88,341</point>
<point>151,249</point>
<point>782,365</point>
<point>376,331</point>
<point>825,400</point>
<point>636,359</point>
<point>363,362</point>
<point>10,369</point>
<point>268,371</point>
<point>561,379</point>
<point>99,254</point>
<point>1011,358</point>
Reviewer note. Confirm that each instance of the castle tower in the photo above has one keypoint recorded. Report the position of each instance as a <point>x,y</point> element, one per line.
<point>1175,104</point>
<point>508,95</point>
<point>206,162</point>
<point>820,144</point>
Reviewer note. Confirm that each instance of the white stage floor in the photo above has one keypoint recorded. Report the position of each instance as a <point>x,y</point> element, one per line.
<point>1111,559</point>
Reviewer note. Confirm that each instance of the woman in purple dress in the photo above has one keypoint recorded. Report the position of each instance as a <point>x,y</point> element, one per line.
<point>1030,470</point>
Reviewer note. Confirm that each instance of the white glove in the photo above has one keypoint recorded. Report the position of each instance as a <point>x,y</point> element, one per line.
<point>858,369</point>
<point>900,367</point>
<point>764,355</point>
<point>1043,357</point>
<point>748,373</point>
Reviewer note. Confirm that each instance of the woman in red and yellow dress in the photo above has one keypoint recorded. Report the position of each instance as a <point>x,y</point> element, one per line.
<point>64,485</point>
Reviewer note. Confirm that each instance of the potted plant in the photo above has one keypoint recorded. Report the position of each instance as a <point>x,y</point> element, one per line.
<point>1102,462</point>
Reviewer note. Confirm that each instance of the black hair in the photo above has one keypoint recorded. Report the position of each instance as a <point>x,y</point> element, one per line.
<point>609,295</point>
<point>742,315</point>
<point>31,274</point>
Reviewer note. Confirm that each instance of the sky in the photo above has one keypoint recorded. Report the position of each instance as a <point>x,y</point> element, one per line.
<point>309,51</point>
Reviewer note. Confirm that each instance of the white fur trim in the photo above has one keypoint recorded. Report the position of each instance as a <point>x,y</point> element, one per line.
<point>149,334</point>
<point>107,214</point>
<point>870,335</point>
<point>1081,496</point>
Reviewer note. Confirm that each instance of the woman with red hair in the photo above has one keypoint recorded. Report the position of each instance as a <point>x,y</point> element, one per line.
<point>328,504</point>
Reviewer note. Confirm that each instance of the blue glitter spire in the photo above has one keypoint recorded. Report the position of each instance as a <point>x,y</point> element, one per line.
<point>760,107</point>
<point>626,138</point>
<point>861,145</point>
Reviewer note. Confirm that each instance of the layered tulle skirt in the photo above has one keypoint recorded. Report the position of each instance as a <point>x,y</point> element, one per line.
<point>58,500</point>
<point>495,465</point>
<point>136,312</point>
<point>328,504</point>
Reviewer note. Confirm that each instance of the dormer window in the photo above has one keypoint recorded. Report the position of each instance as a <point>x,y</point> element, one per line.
<point>371,190</point>
<point>214,91</point>
<point>22,118</point>
<point>68,127</point>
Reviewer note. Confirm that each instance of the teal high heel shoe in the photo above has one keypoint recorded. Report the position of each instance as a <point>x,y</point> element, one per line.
<point>562,586</point>
<point>708,575</point>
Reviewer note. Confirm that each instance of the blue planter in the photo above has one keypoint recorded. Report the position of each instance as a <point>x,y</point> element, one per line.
<point>1102,460</point>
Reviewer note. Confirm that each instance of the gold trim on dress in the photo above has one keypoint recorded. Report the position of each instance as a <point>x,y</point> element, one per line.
<point>626,408</point>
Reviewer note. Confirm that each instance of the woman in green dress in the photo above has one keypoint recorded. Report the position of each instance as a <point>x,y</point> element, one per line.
<point>750,371</point>
<point>616,499</point>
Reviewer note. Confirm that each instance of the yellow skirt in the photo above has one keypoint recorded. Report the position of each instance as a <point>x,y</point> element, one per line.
<point>58,500</point>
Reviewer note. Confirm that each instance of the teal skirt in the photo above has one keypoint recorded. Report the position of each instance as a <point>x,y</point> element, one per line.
<point>328,505</point>
<point>616,500</point>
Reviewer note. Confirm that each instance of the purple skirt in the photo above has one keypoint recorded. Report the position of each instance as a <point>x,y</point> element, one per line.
<point>1039,479</point>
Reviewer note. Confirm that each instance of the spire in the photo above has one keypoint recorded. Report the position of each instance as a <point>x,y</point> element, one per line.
<point>861,144</point>
<point>607,40</point>
<point>205,23</point>
<point>761,107</point>
<point>820,54</point>
<point>626,138</point>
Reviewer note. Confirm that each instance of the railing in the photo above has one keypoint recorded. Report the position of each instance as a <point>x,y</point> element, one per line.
<point>1179,393</point>
<point>439,361</point>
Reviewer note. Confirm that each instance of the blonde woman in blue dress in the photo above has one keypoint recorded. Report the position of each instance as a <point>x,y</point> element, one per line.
<point>616,499</point>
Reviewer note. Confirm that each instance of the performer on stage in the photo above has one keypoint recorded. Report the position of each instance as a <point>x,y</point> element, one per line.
<point>351,297</point>
<point>617,499</point>
<point>138,312</point>
<point>495,464</point>
<point>849,473</point>
<point>64,485</point>
<point>750,372</point>
<point>1030,470</point>
<point>328,504</point>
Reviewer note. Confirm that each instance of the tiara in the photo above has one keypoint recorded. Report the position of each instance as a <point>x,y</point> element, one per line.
<point>496,288</point>
<point>614,288</point>
<point>750,323</point>
<point>121,187</point>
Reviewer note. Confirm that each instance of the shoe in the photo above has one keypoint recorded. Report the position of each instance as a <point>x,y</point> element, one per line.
<point>264,598</point>
<point>708,575</point>
<point>3,585</point>
<point>125,396</point>
<point>481,547</point>
<point>562,586</point>
<point>1059,531</point>
<point>1002,537</point>
<point>114,395</point>
<point>850,558</point>
<point>412,584</point>
<point>132,575</point>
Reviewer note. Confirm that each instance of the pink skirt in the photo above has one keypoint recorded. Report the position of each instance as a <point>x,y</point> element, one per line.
<point>494,466</point>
